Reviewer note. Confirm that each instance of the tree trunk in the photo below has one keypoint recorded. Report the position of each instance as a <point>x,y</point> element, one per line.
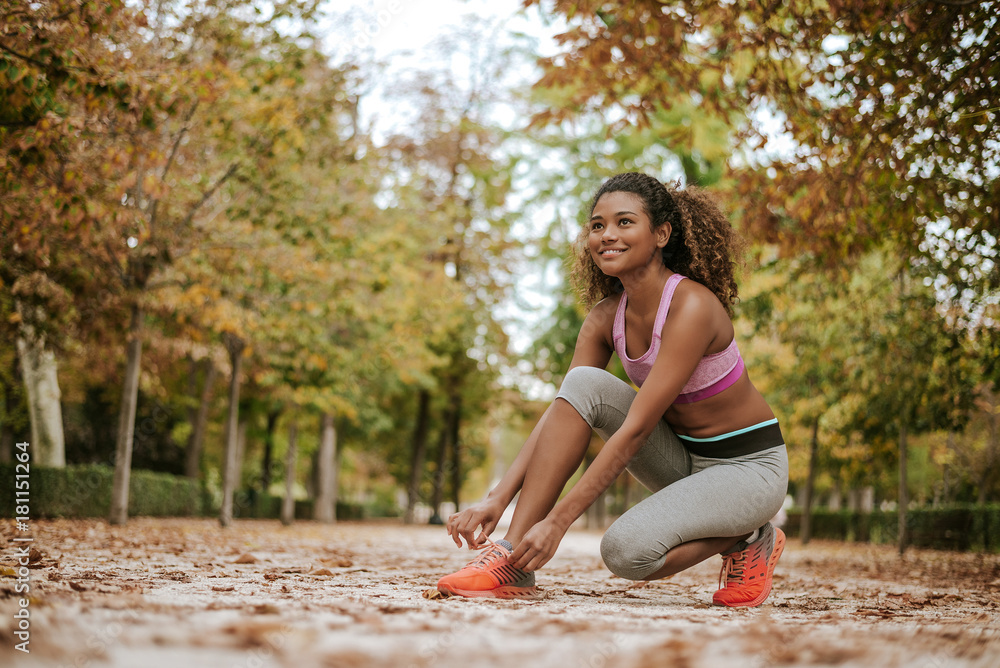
<point>41,382</point>
<point>325,509</point>
<point>904,497</point>
<point>288,504</point>
<point>441,455</point>
<point>805,531</point>
<point>946,472</point>
<point>235,346</point>
<point>126,422</point>
<point>417,456</point>
<point>455,416</point>
<point>265,467</point>
<point>6,444</point>
<point>991,454</point>
<point>196,441</point>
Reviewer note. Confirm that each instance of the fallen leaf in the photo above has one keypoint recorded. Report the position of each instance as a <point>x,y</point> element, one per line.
<point>434,594</point>
<point>246,558</point>
<point>321,571</point>
<point>265,609</point>
<point>34,555</point>
<point>224,588</point>
<point>337,562</point>
<point>271,576</point>
<point>76,586</point>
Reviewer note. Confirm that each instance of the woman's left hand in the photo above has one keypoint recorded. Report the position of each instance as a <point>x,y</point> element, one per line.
<point>537,546</point>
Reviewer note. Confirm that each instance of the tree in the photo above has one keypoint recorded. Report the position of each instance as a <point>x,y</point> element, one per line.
<point>454,171</point>
<point>888,107</point>
<point>223,112</point>
<point>808,315</point>
<point>66,82</point>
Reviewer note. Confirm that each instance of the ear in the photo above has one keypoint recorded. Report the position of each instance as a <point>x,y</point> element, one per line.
<point>663,233</point>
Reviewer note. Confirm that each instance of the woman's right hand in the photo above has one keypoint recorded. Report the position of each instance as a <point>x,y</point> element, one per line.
<point>463,524</point>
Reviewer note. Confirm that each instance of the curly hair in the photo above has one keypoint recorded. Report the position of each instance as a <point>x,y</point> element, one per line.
<point>703,244</point>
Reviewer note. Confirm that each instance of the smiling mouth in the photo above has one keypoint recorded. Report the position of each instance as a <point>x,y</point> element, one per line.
<point>612,251</point>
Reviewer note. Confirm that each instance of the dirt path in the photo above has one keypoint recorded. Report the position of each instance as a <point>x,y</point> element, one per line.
<point>185,593</point>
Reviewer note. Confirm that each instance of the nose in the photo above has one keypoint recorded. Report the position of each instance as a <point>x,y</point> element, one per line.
<point>609,234</point>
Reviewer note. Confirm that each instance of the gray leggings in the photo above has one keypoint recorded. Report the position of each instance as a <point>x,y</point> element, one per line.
<point>693,497</point>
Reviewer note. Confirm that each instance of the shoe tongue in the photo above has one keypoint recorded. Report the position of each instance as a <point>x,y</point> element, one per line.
<point>505,544</point>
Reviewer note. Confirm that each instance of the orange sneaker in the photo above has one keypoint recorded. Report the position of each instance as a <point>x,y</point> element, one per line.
<point>748,572</point>
<point>490,575</point>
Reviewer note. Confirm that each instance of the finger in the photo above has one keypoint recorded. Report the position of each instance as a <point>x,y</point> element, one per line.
<point>535,563</point>
<point>521,556</point>
<point>469,533</point>
<point>453,530</point>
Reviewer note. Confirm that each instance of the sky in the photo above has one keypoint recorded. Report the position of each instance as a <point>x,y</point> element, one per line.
<point>396,26</point>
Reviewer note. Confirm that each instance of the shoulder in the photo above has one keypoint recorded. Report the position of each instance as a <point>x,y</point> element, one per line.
<point>696,305</point>
<point>691,293</point>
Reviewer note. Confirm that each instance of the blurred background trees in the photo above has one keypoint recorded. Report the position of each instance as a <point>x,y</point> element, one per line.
<point>210,250</point>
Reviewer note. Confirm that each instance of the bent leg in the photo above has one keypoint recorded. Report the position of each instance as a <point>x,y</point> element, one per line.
<point>590,399</point>
<point>722,502</point>
<point>604,401</point>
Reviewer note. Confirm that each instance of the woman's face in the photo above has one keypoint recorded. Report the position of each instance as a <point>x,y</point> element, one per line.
<point>622,238</point>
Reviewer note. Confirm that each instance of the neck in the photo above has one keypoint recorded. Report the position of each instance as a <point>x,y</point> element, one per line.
<point>645,288</point>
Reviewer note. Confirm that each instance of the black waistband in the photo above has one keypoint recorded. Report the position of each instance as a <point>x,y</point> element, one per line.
<point>763,438</point>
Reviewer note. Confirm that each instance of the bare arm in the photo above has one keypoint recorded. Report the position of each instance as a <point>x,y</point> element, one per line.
<point>593,348</point>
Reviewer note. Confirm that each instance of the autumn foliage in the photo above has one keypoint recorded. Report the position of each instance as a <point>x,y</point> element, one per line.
<point>204,242</point>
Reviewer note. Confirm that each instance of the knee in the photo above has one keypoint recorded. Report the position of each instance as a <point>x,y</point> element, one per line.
<point>585,388</point>
<point>584,379</point>
<point>624,555</point>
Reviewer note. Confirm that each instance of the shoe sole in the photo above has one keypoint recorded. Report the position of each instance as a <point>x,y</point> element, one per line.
<point>499,592</point>
<point>779,547</point>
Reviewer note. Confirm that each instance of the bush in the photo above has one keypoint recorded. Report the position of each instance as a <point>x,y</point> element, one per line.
<point>85,491</point>
<point>959,527</point>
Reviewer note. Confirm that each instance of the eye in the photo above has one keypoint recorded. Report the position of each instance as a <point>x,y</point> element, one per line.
<point>625,220</point>
<point>596,226</point>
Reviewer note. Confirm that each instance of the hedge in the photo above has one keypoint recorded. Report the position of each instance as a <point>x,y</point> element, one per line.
<point>957,527</point>
<point>85,491</point>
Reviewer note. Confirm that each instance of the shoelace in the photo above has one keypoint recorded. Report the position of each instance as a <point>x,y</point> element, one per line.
<point>487,556</point>
<point>733,566</point>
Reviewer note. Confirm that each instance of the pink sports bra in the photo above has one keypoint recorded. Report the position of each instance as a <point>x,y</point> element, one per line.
<point>714,373</point>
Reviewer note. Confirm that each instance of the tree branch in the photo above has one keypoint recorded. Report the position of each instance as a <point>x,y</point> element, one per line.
<point>177,142</point>
<point>211,191</point>
<point>170,159</point>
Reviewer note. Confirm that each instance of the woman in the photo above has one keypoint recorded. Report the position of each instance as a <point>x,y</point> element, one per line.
<point>659,265</point>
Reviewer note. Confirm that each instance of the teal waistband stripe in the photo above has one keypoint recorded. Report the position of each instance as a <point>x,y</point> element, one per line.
<point>730,434</point>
